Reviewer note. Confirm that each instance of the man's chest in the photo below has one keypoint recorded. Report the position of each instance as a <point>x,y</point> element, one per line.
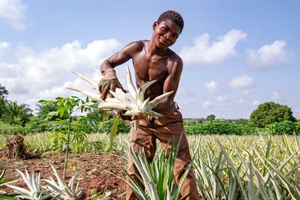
<point>150,68</point>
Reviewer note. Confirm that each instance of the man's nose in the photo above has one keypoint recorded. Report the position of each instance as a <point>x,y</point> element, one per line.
<point>167,35</point>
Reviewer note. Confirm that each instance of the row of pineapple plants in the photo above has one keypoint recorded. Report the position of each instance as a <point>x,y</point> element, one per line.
<point>52,189</point>
<point>226,167</point>
<point>248,167</point>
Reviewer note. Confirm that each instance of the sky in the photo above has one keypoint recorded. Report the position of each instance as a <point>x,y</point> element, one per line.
<point>237,54</point>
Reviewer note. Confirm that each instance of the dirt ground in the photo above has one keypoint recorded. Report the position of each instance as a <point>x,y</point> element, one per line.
<point>98,174</point>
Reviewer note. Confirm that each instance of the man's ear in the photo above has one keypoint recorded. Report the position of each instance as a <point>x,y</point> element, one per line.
<point>154,25</point>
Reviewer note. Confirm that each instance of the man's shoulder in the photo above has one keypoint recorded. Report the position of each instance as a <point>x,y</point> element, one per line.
<point>134,47</point>
<point>139,44</point>
<point>174,56</point>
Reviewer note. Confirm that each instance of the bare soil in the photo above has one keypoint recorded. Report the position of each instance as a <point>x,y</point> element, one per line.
<point>101,175</point>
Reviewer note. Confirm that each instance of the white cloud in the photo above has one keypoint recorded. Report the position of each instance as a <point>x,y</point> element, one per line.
<point>212,87</point>
<point>276,96</point>
<point>3,47</point>
<point>8,71</point>
<point>223,100</point>
<point>13,13</point>
<point>248,91</point>
<point>207,104</point>
<point>53,66</point>
<point>240,101</point>
<point>204,53</point>
<point>255,103</point>
<point>44,75</point>
<point>243,81</point>
<point>268,56</point>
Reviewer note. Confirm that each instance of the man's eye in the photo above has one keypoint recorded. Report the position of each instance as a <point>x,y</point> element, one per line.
<point>164,28</point>
<point>175,36</point>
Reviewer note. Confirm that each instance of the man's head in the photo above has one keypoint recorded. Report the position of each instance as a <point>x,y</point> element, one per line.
<point>173,16</point>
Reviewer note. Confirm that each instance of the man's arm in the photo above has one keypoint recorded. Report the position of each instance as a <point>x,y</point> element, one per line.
<point>171,84</point>
<point>110,80</point>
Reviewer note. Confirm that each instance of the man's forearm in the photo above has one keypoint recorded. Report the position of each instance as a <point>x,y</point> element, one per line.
<point>105,66</point>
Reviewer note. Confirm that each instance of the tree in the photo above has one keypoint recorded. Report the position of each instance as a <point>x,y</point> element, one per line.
<point>3,94</point>
<point>242,121</point>
<point>11,112</point>
<point>45,109</point>
<point>2,108</point>
<point>210,117</point>
<point>16,114</point>
<point>270,112</point>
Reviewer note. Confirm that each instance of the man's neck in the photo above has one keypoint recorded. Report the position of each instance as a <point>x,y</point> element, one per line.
<point>152,49</point>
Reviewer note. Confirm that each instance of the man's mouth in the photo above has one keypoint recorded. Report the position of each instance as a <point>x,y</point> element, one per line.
<point>163,41</point>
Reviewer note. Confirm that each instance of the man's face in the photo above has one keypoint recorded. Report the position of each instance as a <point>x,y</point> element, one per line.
<point>166,33</point>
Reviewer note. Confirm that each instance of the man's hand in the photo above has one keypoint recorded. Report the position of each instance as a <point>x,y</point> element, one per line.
<point>109,82</point>
<point>136,116</point>
<point>120,114</point>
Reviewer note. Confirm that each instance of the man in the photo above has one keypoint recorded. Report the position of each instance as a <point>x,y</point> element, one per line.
<point>153,60</point>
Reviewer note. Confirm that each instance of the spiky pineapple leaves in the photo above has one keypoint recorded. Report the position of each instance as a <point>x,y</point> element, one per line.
<point>136,103</point>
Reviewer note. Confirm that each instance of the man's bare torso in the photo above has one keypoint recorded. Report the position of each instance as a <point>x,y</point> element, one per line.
<point>152,67</point>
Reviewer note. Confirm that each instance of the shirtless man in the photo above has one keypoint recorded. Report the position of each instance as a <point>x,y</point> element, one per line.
<point>153,60</point>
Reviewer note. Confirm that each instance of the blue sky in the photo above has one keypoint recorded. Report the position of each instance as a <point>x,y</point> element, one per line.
<point>237,54</point>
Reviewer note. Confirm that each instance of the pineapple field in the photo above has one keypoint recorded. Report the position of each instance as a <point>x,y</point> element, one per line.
<point>226,167</point>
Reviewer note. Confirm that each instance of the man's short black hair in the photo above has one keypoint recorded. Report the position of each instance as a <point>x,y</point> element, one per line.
<point>173,16</point>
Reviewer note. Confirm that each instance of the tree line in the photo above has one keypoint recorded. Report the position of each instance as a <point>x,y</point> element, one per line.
<point>57,114</point>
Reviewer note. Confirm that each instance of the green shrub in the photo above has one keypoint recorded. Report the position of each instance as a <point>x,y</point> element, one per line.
<point>7,129</point>
<point>220,127</point>
<point>284,127</point>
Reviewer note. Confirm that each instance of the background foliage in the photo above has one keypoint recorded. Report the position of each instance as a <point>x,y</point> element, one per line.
<point>57,116</point>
